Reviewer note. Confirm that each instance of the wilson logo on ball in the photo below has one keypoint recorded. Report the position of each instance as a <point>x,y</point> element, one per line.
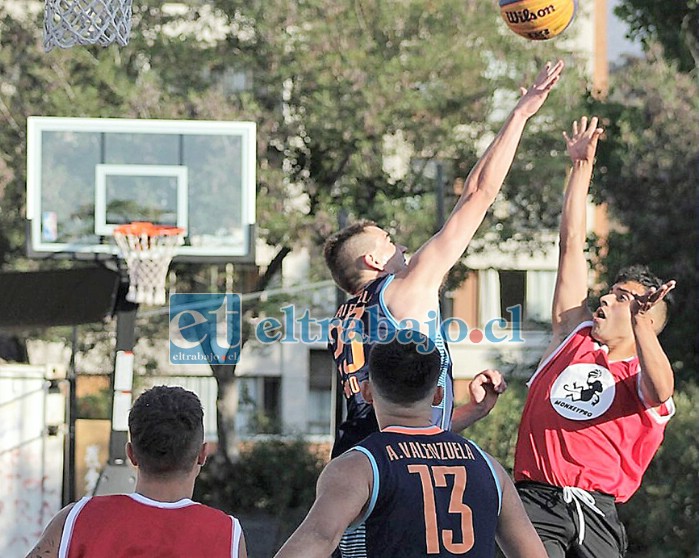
<point>538,20</point>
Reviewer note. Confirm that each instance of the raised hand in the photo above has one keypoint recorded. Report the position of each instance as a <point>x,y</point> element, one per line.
<point>533,98</point>
<point>485,388</point>
<point>583,142</point>
<point>641,304</point>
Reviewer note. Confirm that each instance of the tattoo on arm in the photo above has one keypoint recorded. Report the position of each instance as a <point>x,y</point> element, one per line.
<point>44,548</point>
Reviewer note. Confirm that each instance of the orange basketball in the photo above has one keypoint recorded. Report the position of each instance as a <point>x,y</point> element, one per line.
<point>538,20</point>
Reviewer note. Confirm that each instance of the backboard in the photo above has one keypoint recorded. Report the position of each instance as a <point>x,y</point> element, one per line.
<point>86,176</point>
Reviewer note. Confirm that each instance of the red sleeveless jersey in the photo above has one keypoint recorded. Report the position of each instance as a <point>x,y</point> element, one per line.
<point>585,423</point>
<point>131,525</point>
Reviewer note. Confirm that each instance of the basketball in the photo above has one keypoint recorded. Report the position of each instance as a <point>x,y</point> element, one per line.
<point>538,20</point>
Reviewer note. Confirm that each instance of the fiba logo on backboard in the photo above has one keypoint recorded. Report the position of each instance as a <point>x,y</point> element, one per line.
<point>205,328</point>
<point>583,391</point>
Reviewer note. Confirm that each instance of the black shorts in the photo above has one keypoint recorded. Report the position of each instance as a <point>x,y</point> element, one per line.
<point>558,523</point>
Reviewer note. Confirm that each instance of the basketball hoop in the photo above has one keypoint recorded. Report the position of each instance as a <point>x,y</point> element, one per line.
<point>86,22</point>
<point>148,250</point>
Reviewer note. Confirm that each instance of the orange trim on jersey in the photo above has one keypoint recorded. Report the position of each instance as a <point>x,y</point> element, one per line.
<point>426,430</point>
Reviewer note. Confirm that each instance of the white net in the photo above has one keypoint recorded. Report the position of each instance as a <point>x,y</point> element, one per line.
<point>86,22</point>
<point>148,250</point>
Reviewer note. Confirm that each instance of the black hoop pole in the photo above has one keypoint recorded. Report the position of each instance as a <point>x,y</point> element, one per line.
<point>125,342</point>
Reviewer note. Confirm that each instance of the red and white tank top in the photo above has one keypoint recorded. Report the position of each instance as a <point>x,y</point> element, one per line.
<point>585,423</point>
<point>129,525</point>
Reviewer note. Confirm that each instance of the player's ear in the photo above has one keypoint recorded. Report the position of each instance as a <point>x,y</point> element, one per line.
<point>130,454</point>
<point>438,396</point>
<point>372,263</point>
<point>203,452</point>
<point>365,390</point>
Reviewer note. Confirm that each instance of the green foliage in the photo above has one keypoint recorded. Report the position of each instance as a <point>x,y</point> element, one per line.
<point>95,405</point>
<point>360,77</point>
<point>647,172</point>
<point>662,517</point>
<point>497,433</point>
<point>327,84</point>
<point>272,476</point>
<point>677,29</point>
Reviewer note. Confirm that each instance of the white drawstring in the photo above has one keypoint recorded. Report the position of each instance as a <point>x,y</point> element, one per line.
<point>578,495</point>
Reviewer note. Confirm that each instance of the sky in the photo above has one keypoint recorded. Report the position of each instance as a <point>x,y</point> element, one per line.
<point>617,43</point>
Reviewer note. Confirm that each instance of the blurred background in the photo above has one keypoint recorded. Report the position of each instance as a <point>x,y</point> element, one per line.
<point>364,109</point>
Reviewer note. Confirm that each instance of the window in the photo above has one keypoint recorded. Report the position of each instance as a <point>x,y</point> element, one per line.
<point>513,288</point>
<point>320,379</point>
<point>259,409</point>
<point>528,294</point>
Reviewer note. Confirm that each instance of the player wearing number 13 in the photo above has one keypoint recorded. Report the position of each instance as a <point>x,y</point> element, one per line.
<point>412,489</point>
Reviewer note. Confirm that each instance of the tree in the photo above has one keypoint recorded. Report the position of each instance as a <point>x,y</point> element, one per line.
<point>677,29</point>
<point>648,171</point>
<point>333,86</point>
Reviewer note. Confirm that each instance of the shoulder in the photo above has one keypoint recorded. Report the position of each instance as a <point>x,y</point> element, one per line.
<point>348,471</point>
<point>212,513</point>
<point>566,340</point>
<point>61,516</point>
<point>355,458</point>
<point>50,541</point>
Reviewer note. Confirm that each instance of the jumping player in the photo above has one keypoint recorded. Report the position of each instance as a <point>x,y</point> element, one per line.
<point>599,401</point>
<point>412,489</point>
<point>389,294</point>
<point>159,519</point>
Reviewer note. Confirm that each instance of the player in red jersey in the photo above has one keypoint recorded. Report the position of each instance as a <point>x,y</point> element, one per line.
<point>160,519</point>
<point>599,401</point>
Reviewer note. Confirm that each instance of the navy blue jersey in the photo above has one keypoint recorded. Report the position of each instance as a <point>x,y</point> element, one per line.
<point>434,493</point>
<point>359,323</point>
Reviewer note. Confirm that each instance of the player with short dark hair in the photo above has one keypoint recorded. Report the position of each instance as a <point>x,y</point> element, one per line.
<point>159,519</point>
<point>412,490</point>
<point>599,401</point>
<point>388,293</point>
<point>340,251</point>
<point>166,429</point>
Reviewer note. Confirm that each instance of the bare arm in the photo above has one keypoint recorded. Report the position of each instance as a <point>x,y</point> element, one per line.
<point>657,379</point>
<point>50,541</point>
<point>570,294</point>
<point>515,533</point>
<point>484,389</point>
<point>242,547</point>
<point>343,490</point>
<point>438,255</point>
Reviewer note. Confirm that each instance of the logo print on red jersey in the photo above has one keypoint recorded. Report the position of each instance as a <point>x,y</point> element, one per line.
<point>583,391</point>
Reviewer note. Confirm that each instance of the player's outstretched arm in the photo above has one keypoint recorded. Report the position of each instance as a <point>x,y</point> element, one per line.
<point>50,541</point>
<point>657,381</point>
<point>484,390</point>
<point>570,294</point>
<point>515,533</point>
<point>342,492</point>
<point>437,256</point>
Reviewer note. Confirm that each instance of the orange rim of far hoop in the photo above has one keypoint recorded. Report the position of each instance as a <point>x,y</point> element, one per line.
<point>140,228</point>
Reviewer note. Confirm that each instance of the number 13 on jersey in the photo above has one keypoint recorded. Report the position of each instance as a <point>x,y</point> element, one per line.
<point>435,477</point>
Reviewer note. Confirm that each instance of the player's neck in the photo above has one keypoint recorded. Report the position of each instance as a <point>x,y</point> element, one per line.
<point>165,490</point>
<point>410,419</point>
<point>622,349</point>
<point>368,277</point>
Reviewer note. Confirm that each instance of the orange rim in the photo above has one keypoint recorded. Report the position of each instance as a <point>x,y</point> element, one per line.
<point>140,228</point>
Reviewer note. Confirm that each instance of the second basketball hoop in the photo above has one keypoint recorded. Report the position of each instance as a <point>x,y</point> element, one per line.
<point>86,22</point>
<point>148,250</point>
